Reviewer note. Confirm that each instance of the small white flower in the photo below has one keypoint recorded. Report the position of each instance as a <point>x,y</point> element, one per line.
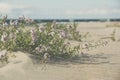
<point>5,24</point>
<point>17,31</point>
<point>52,33</point>
<point>38,49</point>
<point>3,53</point>
<point>33,35</point>
<point>12,36</point>
<point>11,22</point>
<point>68,26</point>
<point>15,22</point>
<point>41,48</point>
<point>41,28</point>
<point>62,34</point>
<point>45,55</point>
<point>4,37</point>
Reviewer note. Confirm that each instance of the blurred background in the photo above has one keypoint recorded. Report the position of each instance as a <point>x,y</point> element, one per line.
<point>61,9</point>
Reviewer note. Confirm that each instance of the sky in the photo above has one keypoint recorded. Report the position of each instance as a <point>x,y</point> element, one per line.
<point>61,9</point>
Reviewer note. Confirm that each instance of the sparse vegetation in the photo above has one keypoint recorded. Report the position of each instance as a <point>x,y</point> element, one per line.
<point>39,39</point>
<point>113,35</point>
<point>113,25</point>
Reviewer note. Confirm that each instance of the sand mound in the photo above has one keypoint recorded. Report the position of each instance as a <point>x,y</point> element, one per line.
<point>16,67</point>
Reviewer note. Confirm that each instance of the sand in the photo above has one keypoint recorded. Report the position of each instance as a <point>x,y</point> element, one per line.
<point>23,67</point>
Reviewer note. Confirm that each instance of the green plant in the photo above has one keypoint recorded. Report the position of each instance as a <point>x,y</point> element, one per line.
<point>113,35</point>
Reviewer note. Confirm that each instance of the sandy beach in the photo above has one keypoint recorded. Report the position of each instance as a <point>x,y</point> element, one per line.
<point>105,67</point>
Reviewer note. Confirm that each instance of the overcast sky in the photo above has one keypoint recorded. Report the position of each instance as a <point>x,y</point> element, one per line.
<point>54,9</point>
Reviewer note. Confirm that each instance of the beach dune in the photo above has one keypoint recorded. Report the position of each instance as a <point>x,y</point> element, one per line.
<point>23,68</point>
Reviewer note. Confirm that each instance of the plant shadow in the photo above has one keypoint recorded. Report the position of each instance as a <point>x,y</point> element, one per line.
<point>83,58</point>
